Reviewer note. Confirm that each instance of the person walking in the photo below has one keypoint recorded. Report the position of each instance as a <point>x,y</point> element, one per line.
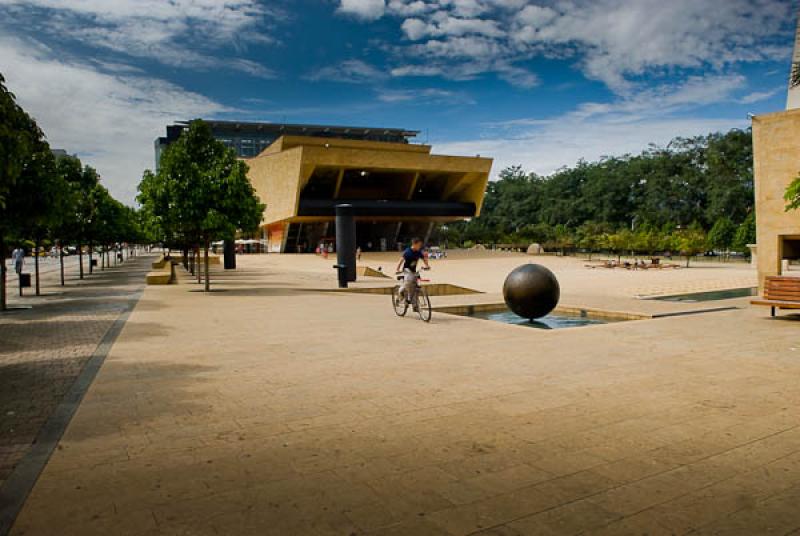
<point>18,256</point>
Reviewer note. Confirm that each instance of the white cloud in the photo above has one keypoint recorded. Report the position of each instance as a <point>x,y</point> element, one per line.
<point>349,71</point>
<point>444,25</point>
<point>415,28</point>
<point>363,9</point>
<point>758,96</point>
<point>109,117</point>
<point>594,130</point>
<point>614,41</point>
<point>425,95</point>
<point>180,33</point>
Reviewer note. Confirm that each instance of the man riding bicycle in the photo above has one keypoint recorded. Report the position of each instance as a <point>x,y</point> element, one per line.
<point>408,263</point>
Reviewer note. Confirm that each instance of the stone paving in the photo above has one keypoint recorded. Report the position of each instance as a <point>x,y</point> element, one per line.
<point>269,408</point>
<point>44,348</point>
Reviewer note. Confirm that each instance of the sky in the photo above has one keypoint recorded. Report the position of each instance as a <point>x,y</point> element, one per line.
<point>536,83</point>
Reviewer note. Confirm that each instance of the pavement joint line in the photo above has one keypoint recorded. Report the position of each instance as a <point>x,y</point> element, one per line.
<point>15,490</point>
<point>696,311</point>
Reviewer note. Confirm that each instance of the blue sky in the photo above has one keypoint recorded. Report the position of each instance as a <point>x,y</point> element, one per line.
<point>533,82</point>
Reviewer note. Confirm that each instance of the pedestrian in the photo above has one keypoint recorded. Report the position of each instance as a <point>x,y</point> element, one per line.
<point>358,253</point>
<point>18,256</point>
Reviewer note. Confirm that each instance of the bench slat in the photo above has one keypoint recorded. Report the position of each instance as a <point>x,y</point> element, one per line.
<point>782,290</point>
<point>776,294</point>
<point>777,303</point>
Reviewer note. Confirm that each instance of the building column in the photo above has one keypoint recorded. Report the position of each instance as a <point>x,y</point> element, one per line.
<point>338,188</point>
<point>414,183</point>
<point>428,233</point>
<point>396,236</point>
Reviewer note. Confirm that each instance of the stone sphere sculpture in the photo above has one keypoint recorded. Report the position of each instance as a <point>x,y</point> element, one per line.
<point>531,291</point>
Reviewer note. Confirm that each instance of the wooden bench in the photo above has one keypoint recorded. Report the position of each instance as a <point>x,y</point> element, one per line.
<point>780,292</point>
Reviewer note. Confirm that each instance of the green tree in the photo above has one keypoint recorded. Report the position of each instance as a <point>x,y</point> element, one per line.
<point>29,188</point>
<point>590,236</point>
<point>38,202</point>
<point>20,137</point>
<point>792,195</point>
<point>77,208</point>
<point>722,235</point>
<point>648,239</point>
<point>563,238</point>
<point>697,179</point>
<point>691,241</point>
<point>729,175</point>
<point>201,191</point>
<point>20,140</point>
<point>745,234</point>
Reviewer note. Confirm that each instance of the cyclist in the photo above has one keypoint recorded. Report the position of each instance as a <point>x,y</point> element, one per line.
<point>408,263</point>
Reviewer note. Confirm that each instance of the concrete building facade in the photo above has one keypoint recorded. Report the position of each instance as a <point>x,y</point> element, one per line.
<point>399,190</point>
<point>776,161</point>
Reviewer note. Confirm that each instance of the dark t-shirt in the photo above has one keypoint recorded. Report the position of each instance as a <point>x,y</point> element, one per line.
<point>411,257</point>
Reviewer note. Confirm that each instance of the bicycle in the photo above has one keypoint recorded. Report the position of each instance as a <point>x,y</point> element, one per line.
<point>420,300</point>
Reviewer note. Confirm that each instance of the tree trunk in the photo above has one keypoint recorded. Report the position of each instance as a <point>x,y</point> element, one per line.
<point>205,263</point>
<point>36,265</point>
<point>80,259</point>
<point>61,260</point>
<point>186,258</point>
<point>197,263</point>
<point>2,274</point>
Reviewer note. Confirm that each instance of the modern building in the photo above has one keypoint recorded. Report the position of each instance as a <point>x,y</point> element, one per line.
<point>776,163</point>
<point>301,172</point>
<point>398,190</point>
<point>249,139</point>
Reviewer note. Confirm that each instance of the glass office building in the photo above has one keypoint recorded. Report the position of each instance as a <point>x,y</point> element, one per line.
<point>249,139</point>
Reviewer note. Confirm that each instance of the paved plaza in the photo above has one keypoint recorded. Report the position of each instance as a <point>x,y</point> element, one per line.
<point>274,405</point>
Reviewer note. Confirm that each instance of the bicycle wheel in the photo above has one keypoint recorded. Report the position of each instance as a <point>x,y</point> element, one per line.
<point>423,303</point>
<point>398,302</point>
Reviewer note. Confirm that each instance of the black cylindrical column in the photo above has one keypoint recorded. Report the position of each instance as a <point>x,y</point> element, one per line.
<point>229,254</point>
<point>346,240</point>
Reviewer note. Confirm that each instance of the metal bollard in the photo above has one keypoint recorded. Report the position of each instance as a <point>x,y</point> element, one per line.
<point>342,274</point>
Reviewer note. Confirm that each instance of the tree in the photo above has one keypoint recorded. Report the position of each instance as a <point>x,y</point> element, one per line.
<point>25,160</point>
<point>72,224</point>
<point>20,137</point>
<point>698,179</point>
<point>722,235</point>
<point>745,234</point>
<point>792,195</point>
<point>563,238</point>
<point>691,241</point>
<point>589,236</point>
<point>37,205</point>
<point>648,239</point>
<point>201,191</point>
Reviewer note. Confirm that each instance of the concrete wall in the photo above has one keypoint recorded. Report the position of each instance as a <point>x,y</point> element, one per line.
<point>776,160</point>
<point>277,180</point>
